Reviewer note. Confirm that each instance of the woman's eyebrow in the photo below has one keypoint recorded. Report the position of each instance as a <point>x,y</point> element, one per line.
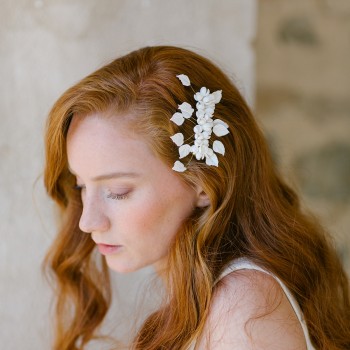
<point>108,176</point>
<point>115,175</point>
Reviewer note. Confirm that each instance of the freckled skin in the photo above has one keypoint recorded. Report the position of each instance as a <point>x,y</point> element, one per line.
<point>151,206</point>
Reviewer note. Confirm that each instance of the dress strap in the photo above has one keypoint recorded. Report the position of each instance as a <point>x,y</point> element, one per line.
<point>245,264</point>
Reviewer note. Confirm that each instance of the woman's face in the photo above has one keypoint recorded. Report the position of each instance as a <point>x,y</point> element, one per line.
<point>133,204</point>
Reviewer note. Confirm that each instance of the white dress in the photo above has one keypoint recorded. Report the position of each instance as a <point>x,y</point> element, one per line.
<point>245,264</point>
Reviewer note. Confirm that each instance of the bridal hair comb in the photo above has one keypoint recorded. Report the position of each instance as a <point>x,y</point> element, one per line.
<point>206,125</point>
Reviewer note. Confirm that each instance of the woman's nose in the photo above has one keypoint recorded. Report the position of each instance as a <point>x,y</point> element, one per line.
<point>93,217</point>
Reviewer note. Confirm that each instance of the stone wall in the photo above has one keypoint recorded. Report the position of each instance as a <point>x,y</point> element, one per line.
<point>303,102</point>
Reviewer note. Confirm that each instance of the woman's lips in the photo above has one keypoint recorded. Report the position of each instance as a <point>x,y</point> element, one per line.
<point>107,249</point>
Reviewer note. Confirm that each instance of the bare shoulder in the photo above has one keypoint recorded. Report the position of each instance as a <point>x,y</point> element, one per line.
<point>249,310</point>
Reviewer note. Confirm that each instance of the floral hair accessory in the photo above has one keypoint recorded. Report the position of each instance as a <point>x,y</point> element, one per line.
<point>203,129</point>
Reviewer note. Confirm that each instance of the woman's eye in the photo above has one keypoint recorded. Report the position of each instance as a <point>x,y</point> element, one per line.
<point>117,196</point>
<point>79,187</point>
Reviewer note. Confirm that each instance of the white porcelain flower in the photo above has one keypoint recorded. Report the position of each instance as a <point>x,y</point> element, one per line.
<point>203,92</point>
<point>184,151</point>
<point>217,96</point>
<point>220,130</point>
<point>218,147</point>
<point>184,79</point>
<point>186,110</point>
<point>212,160</point>
<point>219,121</point>
<point>178,118</point>
<point>178,166</point>
<point>204,128</point>
<point>178,139</point>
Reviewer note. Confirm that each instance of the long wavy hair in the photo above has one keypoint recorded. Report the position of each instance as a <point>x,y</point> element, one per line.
<point>253,213</point>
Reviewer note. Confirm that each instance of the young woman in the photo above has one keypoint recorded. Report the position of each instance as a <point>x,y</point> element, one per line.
<point>149,167</point>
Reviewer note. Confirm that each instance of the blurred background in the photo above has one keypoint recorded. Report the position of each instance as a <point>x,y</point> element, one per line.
<point>290,59</point>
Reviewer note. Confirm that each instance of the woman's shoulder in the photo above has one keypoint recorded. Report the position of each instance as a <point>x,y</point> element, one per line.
<point>249,310</point>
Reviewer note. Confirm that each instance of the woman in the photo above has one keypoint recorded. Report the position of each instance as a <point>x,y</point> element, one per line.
<point>149,165</point>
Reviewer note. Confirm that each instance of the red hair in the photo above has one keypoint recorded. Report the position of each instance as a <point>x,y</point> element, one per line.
<point>253,213</point>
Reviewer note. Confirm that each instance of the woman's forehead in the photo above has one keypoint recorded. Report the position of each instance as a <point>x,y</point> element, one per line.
<point>97,145</point>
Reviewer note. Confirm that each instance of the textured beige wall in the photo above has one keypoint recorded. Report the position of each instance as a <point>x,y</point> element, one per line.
<point>44,47</point>
<point>303,102</point>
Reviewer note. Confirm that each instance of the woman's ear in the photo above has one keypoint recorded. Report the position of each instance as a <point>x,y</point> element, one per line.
<point>202,198</point>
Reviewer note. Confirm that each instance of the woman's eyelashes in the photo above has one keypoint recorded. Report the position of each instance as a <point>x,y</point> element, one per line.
<point>110,194</point>
<point>117,196</point>
<point>78,187</point>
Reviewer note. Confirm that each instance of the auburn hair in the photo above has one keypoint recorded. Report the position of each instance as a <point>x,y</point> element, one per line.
<point>253,213</point>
